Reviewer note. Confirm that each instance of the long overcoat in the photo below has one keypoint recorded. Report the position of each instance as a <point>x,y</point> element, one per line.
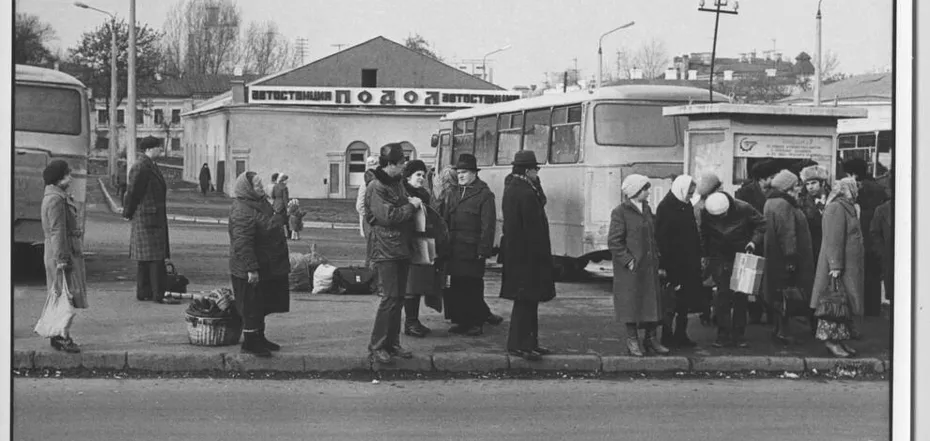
<point>472,219</point>
<point>527,261</point>
<point>813,212</point>
<point>842,249</point>
<point>257,243</point>
<point>637,295</point>
<point>145,206</point>
<point>679,242</point>
<point>204,178</point>
<point>63,243</point>
<point>787,240</point>
<point>882,232</point>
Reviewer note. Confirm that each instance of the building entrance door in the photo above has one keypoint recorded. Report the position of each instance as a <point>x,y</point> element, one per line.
<point>334,186</point>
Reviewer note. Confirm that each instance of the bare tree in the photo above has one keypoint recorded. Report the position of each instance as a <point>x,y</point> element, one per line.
<point>202,37</point>
<point>265,50</point>
<point>651,58</point>
<point>829,64</point>
<point>417,43</point>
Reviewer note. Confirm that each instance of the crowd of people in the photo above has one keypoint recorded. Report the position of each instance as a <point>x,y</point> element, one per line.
<point>826,251</point>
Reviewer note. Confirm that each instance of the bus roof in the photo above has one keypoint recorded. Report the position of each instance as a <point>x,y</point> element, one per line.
<point>43,75</point>
<point>634,92</point>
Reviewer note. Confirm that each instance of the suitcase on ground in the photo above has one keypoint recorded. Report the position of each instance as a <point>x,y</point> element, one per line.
<point>355,280</point>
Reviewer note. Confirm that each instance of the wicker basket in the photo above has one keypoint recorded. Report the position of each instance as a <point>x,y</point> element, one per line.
<point>209,331</point>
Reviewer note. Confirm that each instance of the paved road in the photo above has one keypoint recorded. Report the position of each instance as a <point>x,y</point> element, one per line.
<point>99,409</point>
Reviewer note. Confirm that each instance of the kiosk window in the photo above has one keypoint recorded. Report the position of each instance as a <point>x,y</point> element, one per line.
<point>509,138</point>
<point>536,133</point>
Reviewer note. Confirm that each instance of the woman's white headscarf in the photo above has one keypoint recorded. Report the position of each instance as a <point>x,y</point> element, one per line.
<point>680,187</point>
<point>633,184</point>
<point>846,188</point>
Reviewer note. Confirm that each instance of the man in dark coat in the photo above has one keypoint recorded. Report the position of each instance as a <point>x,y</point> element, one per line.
<point>679,244</point>
<point>258,262</point>
<point>527,263</point>
<point>390,215</point>
<point>204,179</point>
<point>144,205</point>
<point>729,226</point>
<point>871,195</point>
<point>755,193</point>
<point>471,215</point>
<point>882,232</point>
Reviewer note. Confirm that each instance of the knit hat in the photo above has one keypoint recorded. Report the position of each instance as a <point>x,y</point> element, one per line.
<point>413,167</point>
<point>55,171</point>
<point>814,172</point>
<point>633,184</point>
<point>784,180</point>
<point>717,204</point>
<point>707,184</point>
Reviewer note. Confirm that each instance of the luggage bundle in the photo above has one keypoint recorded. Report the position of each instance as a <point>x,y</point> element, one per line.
<point>314,273</point>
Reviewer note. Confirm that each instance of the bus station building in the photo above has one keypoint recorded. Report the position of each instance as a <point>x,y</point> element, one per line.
<point>317,123</point>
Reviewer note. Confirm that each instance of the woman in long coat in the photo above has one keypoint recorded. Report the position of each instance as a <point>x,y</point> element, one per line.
<point>631,239</point>
<point>789,255</point>
<point>204,179</point>
<point>258,262</point>
<point>527,263</point>
<point>63,244</point>
<point>680,256</point>
<point>841,266</point>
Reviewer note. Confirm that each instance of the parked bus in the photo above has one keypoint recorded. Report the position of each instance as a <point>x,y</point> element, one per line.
<point>50,121</point>
<point>589,141</point>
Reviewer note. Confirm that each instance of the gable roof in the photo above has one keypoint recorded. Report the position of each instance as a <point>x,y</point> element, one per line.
<point>397,67</point>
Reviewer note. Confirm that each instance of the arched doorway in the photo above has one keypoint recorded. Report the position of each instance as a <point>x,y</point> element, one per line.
<point>355,166</point>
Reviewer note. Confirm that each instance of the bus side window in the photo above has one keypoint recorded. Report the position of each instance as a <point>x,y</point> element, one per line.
<point>463,138</point>
<point>536,133</point>
<point>566,135</point>
<point>486,140</point>
<point>509,138</point>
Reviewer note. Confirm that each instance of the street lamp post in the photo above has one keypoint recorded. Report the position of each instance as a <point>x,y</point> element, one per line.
<point>818,72</point>
<point>112,168</point>
<point>131,88</point>
<point>484,61</point>
<point>713,53</point>
<point>600,56</point>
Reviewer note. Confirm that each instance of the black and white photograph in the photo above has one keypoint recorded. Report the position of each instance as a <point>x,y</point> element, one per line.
<point>413,219</point>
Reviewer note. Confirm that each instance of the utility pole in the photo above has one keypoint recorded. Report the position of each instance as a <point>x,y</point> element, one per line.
<point>131,86</point>
<point>338,46</point>
<point>301,49</point>
<point>713,53</point>
<point>818,69</point>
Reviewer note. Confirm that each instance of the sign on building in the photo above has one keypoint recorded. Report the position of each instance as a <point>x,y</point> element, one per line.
<point>818,148</point>
<point>377,97</point>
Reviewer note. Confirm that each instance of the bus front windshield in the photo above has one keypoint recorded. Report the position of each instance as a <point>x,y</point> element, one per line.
<point>633,125</point>
<point>53,110</point>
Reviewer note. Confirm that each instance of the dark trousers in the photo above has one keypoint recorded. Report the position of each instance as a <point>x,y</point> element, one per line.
<point>465,301</point>
<point>249,303</point>
<point>873,285</point>
<point>524,326</point>
<point>412,309</point>
<point>729,306</point>
<point>151,280</point>
<point>888,278</point>
<point>393,278</point>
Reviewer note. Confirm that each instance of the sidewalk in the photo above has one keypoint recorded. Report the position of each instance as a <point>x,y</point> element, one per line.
<point>214,210</point>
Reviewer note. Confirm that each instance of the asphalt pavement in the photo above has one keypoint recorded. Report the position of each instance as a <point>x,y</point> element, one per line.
<point>784,410</point>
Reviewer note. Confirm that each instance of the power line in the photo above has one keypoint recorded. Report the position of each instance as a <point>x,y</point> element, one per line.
<point>301,49</point>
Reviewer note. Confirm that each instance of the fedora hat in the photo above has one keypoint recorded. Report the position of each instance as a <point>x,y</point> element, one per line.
<point>525,158</point>
<point>467,162</point>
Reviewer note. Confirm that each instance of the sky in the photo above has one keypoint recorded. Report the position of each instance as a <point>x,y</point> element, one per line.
<point>544,35</point>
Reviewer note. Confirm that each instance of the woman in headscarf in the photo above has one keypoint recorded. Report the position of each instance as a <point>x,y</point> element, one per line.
<point>838,293</point>
<point>679,243</point>
<point>789,255</point>
<point>204,179</point>
<point>631,239</point>
<point>258,262</point>
<point>64,257</point>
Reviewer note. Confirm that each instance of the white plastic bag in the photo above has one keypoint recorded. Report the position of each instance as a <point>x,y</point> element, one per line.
<point>420,220</point>
<point>323,278</point>
<point>58,312</point>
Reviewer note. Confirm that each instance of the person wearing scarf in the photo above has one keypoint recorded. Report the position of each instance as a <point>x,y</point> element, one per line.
<point>813,200</point>
<point>258,262</point>
<point>788,251</point>
<point>679,243</point>
<point>838,293</point>
<point>636,289</point>
<point>526,275</point>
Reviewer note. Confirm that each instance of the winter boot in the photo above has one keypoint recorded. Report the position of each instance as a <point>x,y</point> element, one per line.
<point>252,344</point>
<point>668,337</point>
<point>651,343</point>
<point>681,332</point>
<point>632,341</point>
<point>271,346</point>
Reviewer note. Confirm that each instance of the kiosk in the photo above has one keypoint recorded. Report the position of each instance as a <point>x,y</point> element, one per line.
<point>728,139</point>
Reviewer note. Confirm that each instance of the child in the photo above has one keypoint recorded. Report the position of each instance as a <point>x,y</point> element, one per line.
<point>296,218</point>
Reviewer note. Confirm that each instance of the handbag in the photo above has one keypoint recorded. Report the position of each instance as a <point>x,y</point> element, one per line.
<point>58,312</point>
<point>833,303</point>
<point>355,280</point>
<point>175,282</point>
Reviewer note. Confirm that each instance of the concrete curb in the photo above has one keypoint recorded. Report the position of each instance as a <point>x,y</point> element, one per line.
<point>149,361</point>
<point>118,209</point>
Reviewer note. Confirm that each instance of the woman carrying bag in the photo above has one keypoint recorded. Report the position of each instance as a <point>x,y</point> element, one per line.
<point>64,259</point>
<point>838,292</point>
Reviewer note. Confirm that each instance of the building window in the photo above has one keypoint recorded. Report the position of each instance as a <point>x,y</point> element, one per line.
<point>356,154</point>
<point>240,167</point>
<point>175,144</point>
<point>102,117</point>
<point>175,116</point>
<point>120,116</point>
<point>159,116</point>
<point>369,77</point>
<point>139,116</point>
